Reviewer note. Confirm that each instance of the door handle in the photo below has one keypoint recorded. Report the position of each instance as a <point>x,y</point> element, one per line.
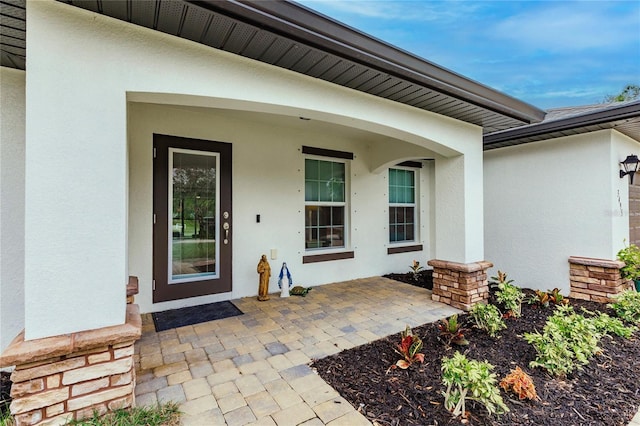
<point>226,227</point>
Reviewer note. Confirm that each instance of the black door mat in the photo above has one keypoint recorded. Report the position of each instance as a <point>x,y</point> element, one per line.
<point>175,318</point>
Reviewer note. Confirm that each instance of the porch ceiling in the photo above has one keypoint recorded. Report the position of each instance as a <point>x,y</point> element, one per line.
<point>293,37</point>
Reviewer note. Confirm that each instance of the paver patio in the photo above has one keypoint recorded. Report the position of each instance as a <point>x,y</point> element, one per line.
<point>253,368</point>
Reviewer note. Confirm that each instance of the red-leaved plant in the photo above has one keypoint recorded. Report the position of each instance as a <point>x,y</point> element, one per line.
<point>519,383</point>
<point>409,347</point>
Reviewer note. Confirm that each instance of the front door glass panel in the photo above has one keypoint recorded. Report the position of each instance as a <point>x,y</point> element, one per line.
<point>193,217</point>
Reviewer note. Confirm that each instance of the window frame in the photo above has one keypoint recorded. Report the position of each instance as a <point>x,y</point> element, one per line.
<point>416,208</point>
<point>315,252</point>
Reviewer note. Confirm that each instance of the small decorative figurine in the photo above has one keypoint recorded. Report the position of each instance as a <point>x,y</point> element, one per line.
<point>264,269</point>
<point>284,289</point>
<point>300,291</point>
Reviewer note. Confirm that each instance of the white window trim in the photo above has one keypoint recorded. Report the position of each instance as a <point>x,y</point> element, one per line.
<point>415,205</point>
<point>346,204</point>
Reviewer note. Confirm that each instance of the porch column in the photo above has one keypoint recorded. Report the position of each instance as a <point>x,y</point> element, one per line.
<point>75,188</point>
<point>459,220</point>
<point>459,276</point>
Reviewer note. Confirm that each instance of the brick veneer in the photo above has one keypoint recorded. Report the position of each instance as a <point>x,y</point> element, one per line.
<point>67,377</point>
<point>460,285</point>
<point>596,279</point>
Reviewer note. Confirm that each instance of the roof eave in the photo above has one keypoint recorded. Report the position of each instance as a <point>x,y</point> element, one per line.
<point>307,26</point>
<point>622,112</point>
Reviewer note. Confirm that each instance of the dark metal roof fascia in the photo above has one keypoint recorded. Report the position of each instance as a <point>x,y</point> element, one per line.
<point>599,117</point>
<point>307,26</point>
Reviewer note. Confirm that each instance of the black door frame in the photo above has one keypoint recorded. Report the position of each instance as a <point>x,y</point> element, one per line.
<point>162,290</point>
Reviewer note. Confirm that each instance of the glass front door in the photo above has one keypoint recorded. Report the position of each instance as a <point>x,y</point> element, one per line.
<point>192,218</point>
<point>193,241</point>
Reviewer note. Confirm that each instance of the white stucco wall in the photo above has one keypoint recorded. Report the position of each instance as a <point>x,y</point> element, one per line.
<point>77,189</point>
<point>12,125</point>
<point>621,147</point>
<point>268,179</point>
<point>548,200</point>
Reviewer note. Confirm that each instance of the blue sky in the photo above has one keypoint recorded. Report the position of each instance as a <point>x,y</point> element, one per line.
<point>547,53</point>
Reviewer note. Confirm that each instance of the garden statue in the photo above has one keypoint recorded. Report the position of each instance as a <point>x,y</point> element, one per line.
<point>265,273</point>
<point>284,289</point>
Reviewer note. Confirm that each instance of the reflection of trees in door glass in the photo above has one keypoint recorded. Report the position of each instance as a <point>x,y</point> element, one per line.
<point>194,201</point>
<point>193,215</point>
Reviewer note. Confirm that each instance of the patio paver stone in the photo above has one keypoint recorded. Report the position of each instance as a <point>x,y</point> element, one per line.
<point>253,368</point>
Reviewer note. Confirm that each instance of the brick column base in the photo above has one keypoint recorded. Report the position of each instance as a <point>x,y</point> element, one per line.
<point>460,285</point>
<point>67,377</point>
<point>597,280</point>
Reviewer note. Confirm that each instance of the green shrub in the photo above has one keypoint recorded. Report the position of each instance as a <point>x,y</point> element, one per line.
<point>569,339</point>
<point>627,306</point>
<point>488,318</point>
<point>470,380</point>
<point>631,257</point>
<point>607,325</point>
<point>509,295</point>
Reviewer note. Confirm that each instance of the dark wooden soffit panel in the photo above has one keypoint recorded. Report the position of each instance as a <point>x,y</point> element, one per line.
<point>13,33</point>
<point>290,36</point>
<point>307,26</point>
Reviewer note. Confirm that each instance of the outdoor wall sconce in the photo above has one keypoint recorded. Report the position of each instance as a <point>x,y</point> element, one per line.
<point>630,166</point>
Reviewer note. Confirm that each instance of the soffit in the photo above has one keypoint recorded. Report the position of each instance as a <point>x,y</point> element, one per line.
<point>623,117</point>
<point>290,36</point>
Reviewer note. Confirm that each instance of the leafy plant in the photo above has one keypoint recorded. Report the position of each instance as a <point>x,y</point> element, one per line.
<point>627,306</point>
<point>567,342</point>
<point>519,383</point>
<point>452,332</point>
<point>606,324</point>
<point>557,298</point>
<point>409,347</point>
<point>415,269</point>
<point>630,255</point>
<point>540,298</point>
<point>545,298</point>
<point>488,318</point>
<point>509,295</point>
<point>470,380</point>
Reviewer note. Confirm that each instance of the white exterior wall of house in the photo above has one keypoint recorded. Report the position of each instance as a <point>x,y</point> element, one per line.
<point>88,180</point>
<point>621,147</point>
<point>548,200</point>
<point>271,147</point>
<point>12,125</point>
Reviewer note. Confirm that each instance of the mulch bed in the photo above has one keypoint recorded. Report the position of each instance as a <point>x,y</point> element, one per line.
<point>605,392</point>
<point>422,279</point>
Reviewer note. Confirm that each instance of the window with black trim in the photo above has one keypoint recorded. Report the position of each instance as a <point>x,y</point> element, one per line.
<point>325,203</point>
<point>402,205</point>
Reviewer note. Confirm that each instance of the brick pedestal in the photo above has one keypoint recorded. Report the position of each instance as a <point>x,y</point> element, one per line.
<point>460,285</point>
<point>67,377</point>
<point>596,279</point>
